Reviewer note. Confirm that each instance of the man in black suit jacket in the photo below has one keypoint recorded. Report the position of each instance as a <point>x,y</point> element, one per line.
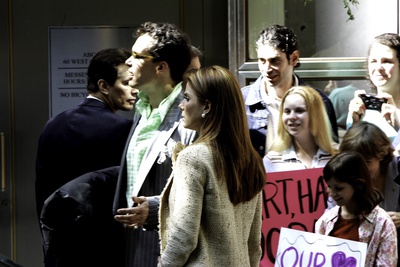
<point>90,136</point>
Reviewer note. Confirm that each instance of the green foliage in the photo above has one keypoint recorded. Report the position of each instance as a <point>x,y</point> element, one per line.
<point>347,5</point>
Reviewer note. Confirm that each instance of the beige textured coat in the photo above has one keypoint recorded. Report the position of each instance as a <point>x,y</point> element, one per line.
<point>199,226</point>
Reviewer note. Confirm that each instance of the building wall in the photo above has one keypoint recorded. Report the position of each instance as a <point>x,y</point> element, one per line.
<point>204,20</point>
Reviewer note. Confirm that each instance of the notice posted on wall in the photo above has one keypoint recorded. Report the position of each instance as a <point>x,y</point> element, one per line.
<point>70,52</point>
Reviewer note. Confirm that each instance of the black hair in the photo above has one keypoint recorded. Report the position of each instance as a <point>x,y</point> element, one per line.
<point>280,37</point>
<point>172,46</point>
<point>104,66</point>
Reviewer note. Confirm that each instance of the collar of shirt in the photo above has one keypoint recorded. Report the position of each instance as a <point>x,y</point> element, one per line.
<point>254,95</point>
<point>370,217</point>
<point>274,101</point>
<point>257,92</point>
<point>290,154</point>
<point>93,97</point>
<point>143,107</point>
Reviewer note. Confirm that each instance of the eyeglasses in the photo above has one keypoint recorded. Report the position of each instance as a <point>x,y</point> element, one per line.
<point>137,56</point>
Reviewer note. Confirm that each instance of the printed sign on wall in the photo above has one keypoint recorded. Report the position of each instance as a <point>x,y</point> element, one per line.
<point>70,52</point>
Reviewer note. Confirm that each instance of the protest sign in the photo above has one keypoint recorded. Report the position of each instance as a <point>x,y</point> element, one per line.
<point>299,248</point>
<point>291,199</point>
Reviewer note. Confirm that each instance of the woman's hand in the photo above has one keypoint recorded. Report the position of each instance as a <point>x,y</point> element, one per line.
<point>357,107</point>
<point>389,111</point>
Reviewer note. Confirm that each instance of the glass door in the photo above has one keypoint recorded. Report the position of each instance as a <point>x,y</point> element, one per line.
<point>331,45</point>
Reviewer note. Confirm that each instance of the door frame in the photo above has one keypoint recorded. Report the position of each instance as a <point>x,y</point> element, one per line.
<point>7,133</point>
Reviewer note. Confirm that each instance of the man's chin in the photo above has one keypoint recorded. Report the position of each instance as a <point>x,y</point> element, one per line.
<point>272,81</point>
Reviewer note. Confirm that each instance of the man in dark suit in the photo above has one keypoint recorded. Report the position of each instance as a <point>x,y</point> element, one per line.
<point>160,56</point>
<point>90,136</point>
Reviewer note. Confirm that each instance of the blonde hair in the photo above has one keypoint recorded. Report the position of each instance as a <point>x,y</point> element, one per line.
<point>319,124</point>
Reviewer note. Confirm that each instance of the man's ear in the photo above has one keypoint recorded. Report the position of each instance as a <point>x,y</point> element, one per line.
<point>162,66</point>
<point>103,86</point>
<point>294,57</point>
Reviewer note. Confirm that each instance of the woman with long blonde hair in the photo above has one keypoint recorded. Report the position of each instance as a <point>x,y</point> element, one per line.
<point>304,138</point>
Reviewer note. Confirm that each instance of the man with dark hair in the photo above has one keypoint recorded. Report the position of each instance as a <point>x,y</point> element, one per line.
<point>160,56</point>
<point>278,55</point>
<point>88,137</point>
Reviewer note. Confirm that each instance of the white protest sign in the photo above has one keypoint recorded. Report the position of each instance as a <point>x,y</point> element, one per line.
<point>299,248</point>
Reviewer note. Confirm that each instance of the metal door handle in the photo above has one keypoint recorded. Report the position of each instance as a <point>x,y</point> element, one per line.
<point>3,163</point>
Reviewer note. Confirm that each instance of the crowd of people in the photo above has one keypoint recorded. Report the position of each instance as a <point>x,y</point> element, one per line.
<point>181,183</point>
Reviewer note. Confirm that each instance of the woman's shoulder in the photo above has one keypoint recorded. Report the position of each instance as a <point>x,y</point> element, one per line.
<point>195,151</point>
<point>377,215</point>
<point>381,212</point>
<point>197,147</point>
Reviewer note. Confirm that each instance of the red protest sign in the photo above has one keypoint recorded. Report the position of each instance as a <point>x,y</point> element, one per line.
<point>291,199</point>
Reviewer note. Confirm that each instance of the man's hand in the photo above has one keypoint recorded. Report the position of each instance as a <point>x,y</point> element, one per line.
<point>135,216</point>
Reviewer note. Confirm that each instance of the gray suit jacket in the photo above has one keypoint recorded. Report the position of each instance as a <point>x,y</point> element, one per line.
<point>154,171</point>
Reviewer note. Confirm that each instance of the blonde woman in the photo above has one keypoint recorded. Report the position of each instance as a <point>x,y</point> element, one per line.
<point>304,138</point>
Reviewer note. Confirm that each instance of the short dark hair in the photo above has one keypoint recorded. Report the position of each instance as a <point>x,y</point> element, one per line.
<point>104,66</point>
<point>280,37</point>
<point>370,141</point>
<point>172,46</point>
